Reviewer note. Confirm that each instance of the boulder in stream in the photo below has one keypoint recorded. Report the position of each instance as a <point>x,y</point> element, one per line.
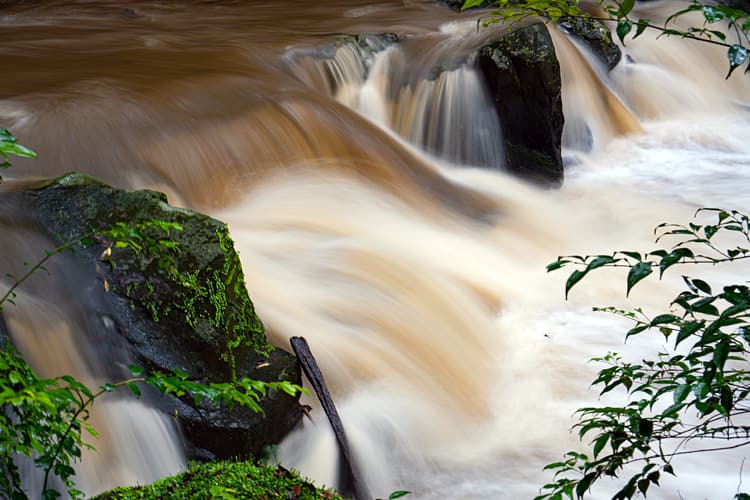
<point>595,36</point>
<point>189,312</point>
<point>522,74</point>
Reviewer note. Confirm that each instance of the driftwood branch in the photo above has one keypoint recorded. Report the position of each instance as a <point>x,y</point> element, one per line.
<point>351,483</point>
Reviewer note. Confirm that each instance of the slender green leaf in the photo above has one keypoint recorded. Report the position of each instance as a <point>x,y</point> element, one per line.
<point>468,4</point>
<point>664,318</point>
<point>641,27</point>
<point>623,28</point>
<point>599,261</point>
<point>136,371</point>
<point>737,56</point>
<point>134,388</point>
<point>600,443</point>
<point>687,329</point>
<point>556,265</point>
<point>702,286</point>
<point>574,278</point>
<point>721,351</point>
<point>625,7</point>
<point>585,483</point>
<point>681,392</point>
<point>636,274</point>
<point>398,494</point>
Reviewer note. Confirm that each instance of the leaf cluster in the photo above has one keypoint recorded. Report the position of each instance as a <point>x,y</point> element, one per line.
<point>9,146</point>
<point>620,12</point>
<point>47,419</point>
<point>695,390</point>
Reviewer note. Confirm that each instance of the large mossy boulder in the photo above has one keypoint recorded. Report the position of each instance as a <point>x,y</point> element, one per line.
<point>522,74</point>
<point>174,299</point>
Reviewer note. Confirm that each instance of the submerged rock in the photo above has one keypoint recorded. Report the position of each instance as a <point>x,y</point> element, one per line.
<point>184,308</point>
<point>338,60</point>
<point>522,74</point>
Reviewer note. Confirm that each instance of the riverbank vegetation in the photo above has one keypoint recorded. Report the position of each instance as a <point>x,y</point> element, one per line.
<point>690,396</point>
<point>227,481</point>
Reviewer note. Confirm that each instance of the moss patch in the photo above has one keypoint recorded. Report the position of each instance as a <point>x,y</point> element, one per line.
<point>227,481</point>
<point>196,291</point>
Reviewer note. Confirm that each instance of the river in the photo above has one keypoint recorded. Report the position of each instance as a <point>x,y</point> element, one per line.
<point>367,220</point>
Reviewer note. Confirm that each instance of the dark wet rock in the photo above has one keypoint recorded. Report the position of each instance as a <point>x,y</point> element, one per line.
<point>375,42</point>
<point>457,4</point>
<point>595,36</point>
<point>736,4</point>
<point>4,335</point>
<point>367,44</point>
<point>190,312</point>
<point>322,65</point>
<point>523,76</point>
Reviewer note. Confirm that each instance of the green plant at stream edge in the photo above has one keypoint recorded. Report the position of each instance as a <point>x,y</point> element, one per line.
<point>736,22</point>
<point>694,391</point>
<point>47,419</point>
<point>9,146</point>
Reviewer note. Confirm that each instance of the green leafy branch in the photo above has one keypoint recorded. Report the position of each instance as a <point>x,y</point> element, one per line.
<point>620,12</point>
<point>48,418</point>
<point>120,235</point>
<point>694,390</point>
<point>641,265</point>
<point>9,146</point>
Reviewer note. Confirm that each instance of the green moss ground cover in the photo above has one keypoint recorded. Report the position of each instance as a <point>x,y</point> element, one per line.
<point>227,481</point>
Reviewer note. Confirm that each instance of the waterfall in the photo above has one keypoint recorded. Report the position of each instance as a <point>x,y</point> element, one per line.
<point>346,169</point>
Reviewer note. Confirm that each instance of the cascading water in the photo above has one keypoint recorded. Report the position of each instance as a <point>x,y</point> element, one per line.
<point>419,283</point>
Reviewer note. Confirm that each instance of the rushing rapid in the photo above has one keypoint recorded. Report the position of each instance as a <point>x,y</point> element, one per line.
<point>367,199</point>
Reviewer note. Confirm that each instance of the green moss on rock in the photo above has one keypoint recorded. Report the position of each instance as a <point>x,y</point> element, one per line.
<point>227,480</point>
<point>174,299</point>
<point>202,286</point>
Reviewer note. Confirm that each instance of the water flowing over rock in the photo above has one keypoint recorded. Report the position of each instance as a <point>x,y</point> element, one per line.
<point>595,36</point>
<point>523,75</point>
<point>191,313</point>
<point>494,104</point>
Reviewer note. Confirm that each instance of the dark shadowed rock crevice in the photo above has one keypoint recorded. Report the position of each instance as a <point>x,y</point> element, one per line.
<point>191,313</point>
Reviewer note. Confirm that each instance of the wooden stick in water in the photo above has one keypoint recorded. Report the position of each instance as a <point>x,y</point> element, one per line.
<point>351,483</point>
